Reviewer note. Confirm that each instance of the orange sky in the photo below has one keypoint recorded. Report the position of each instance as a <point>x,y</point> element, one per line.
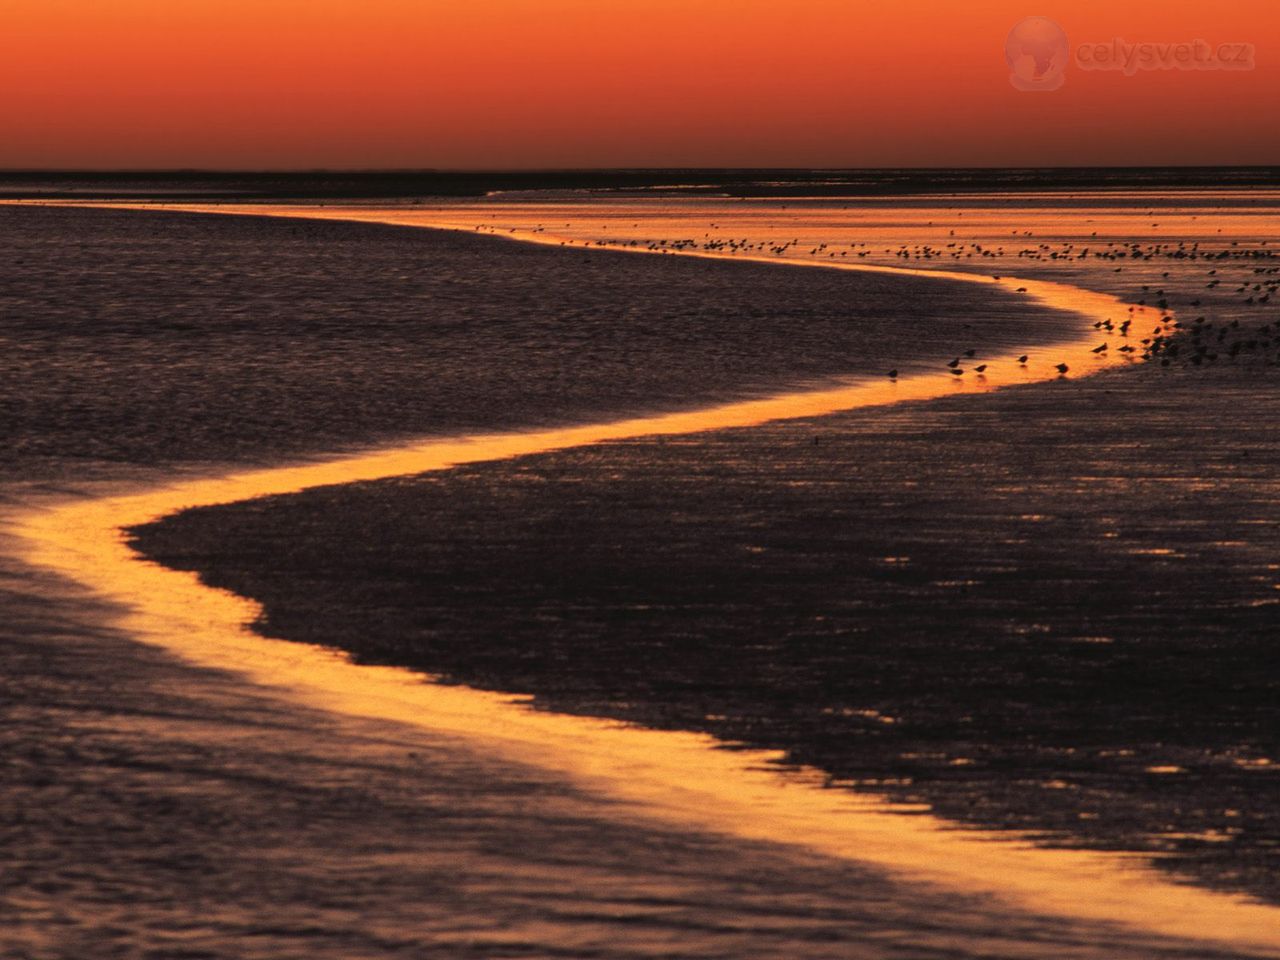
<point>589,83</point>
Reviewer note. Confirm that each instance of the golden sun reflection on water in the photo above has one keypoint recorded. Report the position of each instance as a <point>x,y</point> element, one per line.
<point>677,776</point>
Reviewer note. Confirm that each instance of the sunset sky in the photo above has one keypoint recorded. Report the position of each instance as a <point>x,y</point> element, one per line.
<point>602,83</point>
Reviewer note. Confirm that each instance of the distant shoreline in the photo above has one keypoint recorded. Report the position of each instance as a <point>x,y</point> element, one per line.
<point>162,185</point>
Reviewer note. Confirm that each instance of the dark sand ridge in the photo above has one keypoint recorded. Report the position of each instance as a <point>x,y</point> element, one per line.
<point>1206,645</point>
<point>331,336</point>
<point>158,809</point>
<point>672,775</point>
<point>1218,838</point>
<point>169,497</point>
<point>1080,647</point>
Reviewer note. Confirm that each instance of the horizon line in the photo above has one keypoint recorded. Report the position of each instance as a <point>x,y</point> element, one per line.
<point>489,171</point>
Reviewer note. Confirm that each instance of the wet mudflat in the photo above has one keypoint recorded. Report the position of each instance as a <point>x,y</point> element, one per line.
<point>1050,609</point>
<point>152,809</point>
<point>130,337</point>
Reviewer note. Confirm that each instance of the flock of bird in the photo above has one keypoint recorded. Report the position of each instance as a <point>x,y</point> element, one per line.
<point>1210,336</point>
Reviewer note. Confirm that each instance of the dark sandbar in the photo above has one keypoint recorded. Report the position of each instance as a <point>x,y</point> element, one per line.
<point>1051,609</point>
<point>151,337</point>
